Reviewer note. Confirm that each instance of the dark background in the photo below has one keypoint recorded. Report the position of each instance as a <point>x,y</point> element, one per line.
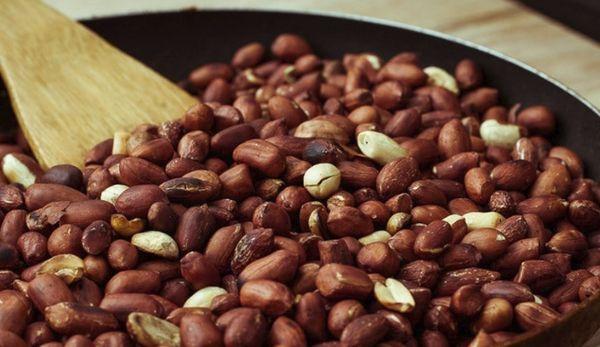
<point>579,15</point>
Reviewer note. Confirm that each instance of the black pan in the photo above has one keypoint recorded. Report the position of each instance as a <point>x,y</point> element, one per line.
<point>175,43</point>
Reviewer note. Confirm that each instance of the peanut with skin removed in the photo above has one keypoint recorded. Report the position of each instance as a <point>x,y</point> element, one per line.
<point>439,77</point>
<point>322,180</point>
<point>394,295</point>
<point>357,201</point>
<point>157,243</point>
<point>204,297</point>
<point>496,134</point>
<point>379,147</point>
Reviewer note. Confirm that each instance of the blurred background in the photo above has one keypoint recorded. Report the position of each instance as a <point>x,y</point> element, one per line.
<point>558,37</point>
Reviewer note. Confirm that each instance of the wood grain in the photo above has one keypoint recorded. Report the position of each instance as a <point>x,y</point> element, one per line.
<point>71,89</point>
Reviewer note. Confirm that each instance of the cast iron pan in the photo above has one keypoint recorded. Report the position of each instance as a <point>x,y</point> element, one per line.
<point>175,43</point>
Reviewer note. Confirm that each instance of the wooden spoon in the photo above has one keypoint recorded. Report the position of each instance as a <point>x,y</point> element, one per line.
<point>70,89</point>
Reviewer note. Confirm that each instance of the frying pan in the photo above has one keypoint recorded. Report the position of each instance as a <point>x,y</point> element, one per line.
<point>174,43</point>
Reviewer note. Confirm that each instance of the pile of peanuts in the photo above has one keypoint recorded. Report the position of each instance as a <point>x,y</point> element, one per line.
<point>352,202</point>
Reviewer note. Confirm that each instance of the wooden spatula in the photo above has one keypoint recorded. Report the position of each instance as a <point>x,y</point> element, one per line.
<point>70,89</point>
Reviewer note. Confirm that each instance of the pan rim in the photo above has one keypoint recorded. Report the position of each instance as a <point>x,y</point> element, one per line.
<point>376,21</point>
